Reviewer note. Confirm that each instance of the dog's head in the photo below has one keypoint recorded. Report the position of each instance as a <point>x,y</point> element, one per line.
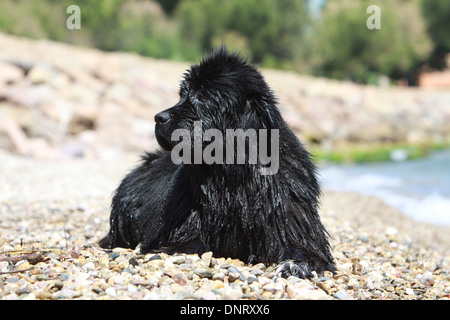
<point>223,92</point>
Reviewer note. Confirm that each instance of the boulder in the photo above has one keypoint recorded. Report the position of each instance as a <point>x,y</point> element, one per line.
<point>10,73</point>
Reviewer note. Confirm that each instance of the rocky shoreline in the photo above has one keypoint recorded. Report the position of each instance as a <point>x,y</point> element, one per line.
<point>54,212</point>
<point>61,101</point>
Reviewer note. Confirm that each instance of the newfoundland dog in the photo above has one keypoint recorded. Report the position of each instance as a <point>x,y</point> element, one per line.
<point>232,178</point>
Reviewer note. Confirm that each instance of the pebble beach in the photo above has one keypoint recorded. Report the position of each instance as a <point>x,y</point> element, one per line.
<point>52,214</point>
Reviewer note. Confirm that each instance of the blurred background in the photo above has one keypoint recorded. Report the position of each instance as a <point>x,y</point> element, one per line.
<point>317,37</point>
<point>373,106</point>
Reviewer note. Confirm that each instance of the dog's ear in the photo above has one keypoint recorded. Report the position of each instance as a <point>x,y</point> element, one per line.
<point>263,110</point>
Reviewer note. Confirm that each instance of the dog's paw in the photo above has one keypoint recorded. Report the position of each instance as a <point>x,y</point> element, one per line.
<point>295,268</point>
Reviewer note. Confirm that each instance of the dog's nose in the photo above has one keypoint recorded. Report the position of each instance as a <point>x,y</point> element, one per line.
<point>162,117</point>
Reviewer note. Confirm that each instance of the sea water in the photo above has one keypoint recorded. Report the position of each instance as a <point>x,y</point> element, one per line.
<point>418,188</point>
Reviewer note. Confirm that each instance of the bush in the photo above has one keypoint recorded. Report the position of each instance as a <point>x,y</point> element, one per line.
<point>344,48</point>
<point>274,33</point>
<point>271,30</point>
<point>437,18</point>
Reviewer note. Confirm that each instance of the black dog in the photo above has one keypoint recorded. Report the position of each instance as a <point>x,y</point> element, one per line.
<point>233,210</point>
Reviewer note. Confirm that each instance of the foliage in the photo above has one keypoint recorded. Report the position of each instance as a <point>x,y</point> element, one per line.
<point>437,18</point>
<point>274,33</point>
<point>168,5</point>
<point>30,19</point>
<point>347,49</point>
<point>271,30</point>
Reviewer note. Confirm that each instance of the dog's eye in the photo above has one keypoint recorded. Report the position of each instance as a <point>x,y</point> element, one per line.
<point>202,98</point>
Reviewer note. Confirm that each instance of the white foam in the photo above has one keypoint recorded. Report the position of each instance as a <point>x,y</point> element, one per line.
<point>334,178</point>
<point>432,207</point>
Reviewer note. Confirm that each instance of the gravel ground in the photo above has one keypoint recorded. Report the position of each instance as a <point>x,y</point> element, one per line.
<point>53,213</point>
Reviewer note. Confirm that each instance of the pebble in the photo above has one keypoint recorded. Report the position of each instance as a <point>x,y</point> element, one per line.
<point>367,270</point>
<point>133,261</point>
<point>58,285</point>
<point>218,276</point>
<point>154,257</point>
<point>234,274</point>
<point>342,295</point>
<point>111,292</point>
<point>23,265</point>
<point>4,266</point>
<point>25,290</point>
<point>89,266</point>
<point>114,255</point>
<point>251,279</point>
<point>231,293</point>
<point>206,258</point>
<point>178,259</point>
<point>204,273</point>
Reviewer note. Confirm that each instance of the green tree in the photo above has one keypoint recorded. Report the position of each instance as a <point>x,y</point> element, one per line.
<point>34,19</point>
<point>168,5</point>
<point>344,48</point>
<point>437,18</point>
<point>272,30</point>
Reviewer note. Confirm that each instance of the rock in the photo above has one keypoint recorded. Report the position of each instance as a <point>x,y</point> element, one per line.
<point>180,278</point>
<point>251,279</point>
<point>90,266</point>
<point>154,257</point>
<point>58,285</point>
<point>23,265</point>
<point>121,251</point>
<point>111,292</point>
<point>409,291</point>
<point>133,261</point>
<point>25,290</point>
<point>257,272</point>
<point>206,257</point>
<point>425,277</point>
<point>209,295</point>
<point>46,74</point>
<point>391,233</point>
<point>342,295</point>
<point>204,273</point>
<point>219,276</point>
<point>232,293</point>
<point>9,73</point>
<point>4,266</point>
<point>65,277</point>
<point>178,259</point>
<point>12,137</point>
<point>259,266</point>
<point>83,117</point>
<point>234,274</point>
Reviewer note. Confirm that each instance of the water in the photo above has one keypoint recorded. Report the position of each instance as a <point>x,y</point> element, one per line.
<point>418,188</point>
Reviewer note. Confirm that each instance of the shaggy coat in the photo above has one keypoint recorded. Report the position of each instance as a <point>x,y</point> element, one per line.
<point>230,209</point>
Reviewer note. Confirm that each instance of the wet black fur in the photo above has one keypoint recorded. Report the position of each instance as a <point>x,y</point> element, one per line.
<point>231,210</point>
